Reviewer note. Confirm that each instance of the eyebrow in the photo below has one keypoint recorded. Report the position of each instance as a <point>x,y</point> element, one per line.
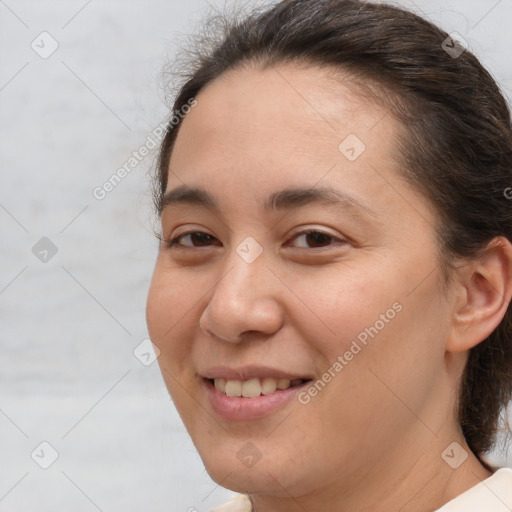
<point>286,199</point>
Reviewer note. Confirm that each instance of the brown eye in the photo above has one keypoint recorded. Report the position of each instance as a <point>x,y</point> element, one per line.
<point>316,239</point>
<point>193,239</point>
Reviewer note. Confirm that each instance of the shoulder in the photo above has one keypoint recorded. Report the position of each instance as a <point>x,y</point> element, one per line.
<point>494,494</point>
<point>239,503</point>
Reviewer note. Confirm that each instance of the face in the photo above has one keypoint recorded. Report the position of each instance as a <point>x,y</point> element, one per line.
<point>299,258</point>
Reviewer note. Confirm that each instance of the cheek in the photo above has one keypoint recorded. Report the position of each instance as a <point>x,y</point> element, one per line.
<point>171,298</point>
<point>375,333</point>
<point>344,304</point>
<point>170,315</point>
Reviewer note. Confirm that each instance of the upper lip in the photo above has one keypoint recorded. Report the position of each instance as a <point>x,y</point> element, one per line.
<point>250,372</point>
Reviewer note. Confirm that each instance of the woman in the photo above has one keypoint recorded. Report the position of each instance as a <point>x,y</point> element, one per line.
<point>331,294</point>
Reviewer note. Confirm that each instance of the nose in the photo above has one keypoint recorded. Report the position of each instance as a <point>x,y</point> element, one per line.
<point>246,299</point>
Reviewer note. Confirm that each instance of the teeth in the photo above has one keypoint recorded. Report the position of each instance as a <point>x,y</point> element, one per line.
<point>283,383</point>
<point>269,385</point>
<point>233,388</point>
<point>253,387</point>
<point>220,384</point>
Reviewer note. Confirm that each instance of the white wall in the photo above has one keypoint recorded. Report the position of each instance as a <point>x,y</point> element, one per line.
<point>69,325</point>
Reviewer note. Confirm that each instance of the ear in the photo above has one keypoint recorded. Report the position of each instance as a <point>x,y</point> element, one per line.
<point>483,292</point>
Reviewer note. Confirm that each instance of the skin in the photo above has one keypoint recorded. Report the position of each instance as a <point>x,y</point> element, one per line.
<point>372,439</point>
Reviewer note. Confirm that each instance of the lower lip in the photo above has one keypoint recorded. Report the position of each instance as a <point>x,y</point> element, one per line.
<point>235,408</point>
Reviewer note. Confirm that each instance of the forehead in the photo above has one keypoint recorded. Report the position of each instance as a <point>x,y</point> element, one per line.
<point>284,104</point>
<point>255,131</point>
<point>252,117</point>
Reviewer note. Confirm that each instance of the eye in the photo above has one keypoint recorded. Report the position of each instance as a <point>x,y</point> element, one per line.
<point>310,239</point>
<point>193,239</point>
<point>313,238</point>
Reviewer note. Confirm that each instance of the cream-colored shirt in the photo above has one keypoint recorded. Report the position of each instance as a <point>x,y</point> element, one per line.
<point>493,494</point>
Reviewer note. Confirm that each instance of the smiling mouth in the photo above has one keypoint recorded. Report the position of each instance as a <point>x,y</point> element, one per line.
<point>254,387</point>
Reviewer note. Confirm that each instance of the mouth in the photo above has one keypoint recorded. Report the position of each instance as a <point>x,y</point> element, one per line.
<point>254,387</point>
<point>249,393</point>
<point>252,399</point>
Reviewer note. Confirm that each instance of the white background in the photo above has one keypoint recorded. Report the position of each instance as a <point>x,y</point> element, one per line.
<point>69,326</point>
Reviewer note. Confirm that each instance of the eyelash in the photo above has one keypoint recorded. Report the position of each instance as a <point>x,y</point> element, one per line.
<point>174,242</point>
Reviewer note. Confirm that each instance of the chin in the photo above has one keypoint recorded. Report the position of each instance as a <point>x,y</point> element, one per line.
<point>269,475</point>
<point>255,480</point>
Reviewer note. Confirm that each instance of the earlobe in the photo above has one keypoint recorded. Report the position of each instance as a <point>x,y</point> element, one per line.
<point>485,290</point>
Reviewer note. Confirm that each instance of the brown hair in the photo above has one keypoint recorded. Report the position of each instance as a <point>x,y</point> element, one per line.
<point>456,145</point>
